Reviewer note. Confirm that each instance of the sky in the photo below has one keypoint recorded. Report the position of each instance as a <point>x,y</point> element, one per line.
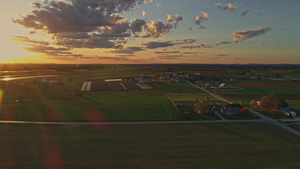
<point>150,31</point>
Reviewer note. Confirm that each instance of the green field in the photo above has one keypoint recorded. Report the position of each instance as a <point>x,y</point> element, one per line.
<point>91,146</point>
<point>181,87</point>
<point>230,145</point>
<point>244,116</point>
<point>255,90</point>
<point>75,80</point>
<point>44,102</point>
<point>295,126</point>
<point>189,96</point>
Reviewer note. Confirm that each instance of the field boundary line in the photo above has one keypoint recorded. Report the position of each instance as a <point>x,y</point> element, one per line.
<point>171,100</point>
<point>123,86</point>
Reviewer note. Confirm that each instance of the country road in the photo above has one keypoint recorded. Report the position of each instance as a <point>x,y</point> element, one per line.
<point>264,118</point>
<point>129,122</point>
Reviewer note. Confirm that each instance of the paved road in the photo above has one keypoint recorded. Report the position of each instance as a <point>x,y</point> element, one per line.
<point>127,123</point>
<point>263,117</point>
<point>212,94</point>
<point>220,116</point>
<point>275,122</point>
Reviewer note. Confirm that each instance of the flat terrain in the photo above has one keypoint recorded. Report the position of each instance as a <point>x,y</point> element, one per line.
<point>256,89</point>
<point>230,145</point>
<point>105,106</point>
<point>31,101</point>
<point>89,146</point>
<point>181,87</point>
<point>190,96</point>
<point>267,84</point>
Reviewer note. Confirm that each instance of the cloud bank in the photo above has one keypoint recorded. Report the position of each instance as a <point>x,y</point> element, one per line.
<point>154,45</point>
<point>244,35</point>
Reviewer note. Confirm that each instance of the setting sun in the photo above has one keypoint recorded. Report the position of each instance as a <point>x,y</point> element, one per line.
<point>118,32</point>
<point>149,84</point>
<point>11,51</point>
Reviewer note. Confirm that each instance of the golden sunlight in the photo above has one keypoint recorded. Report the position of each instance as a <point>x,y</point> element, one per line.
<point>6,79</point>
<point>1,94</point>
<point>10,51</point>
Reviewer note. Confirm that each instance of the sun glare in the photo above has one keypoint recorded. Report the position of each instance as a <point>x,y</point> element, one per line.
<point>1,95</point>
<point>6,79</point>
<point>10,51</point>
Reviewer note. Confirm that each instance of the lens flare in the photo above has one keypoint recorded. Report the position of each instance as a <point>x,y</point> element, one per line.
<point>95,115</point>
<point>6,79</point>
<point>1,97</point>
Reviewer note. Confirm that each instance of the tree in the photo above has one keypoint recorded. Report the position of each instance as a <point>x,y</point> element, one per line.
<point>275,109</point>
<point>157,76</point>
<point>253,103</point>
<point>265,105</point>
<point>202,107</point>
<point>243,110</point>
<point>207,80</point>
<point>283,103</point>
<point>271,98</point>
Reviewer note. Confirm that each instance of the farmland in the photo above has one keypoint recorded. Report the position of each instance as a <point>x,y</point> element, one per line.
<point>117,86</point>
<point>102,145</point>
<point>65,102</point>
<point>46,104</point>
<point>123,101</point>
<point>256,145</point>
<point>255,90</point>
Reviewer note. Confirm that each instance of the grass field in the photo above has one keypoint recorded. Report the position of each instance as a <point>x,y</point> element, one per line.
<point>295,126</point>
<point>230,145</point>
<point>255,90</point>
<point>189,96</point>
<point>181,87</point>
<point>74,81</point>
<point>266,84</point>
<point>45,103</point>
<point>244,116</point>
<point>189,99</point>
<point>210,145</point>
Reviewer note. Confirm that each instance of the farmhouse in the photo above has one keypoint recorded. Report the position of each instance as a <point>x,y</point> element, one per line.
<point>208,85</point>
<point>223,85</point>
<point>47,81</point>
<point>199,83</point>
<point>179,105</point>
<point>139,79</point>
<point>288,112</point>
<point>145,79</point>
<point>214,108</point>
<point>227,110</point>
<point>136,79</point>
